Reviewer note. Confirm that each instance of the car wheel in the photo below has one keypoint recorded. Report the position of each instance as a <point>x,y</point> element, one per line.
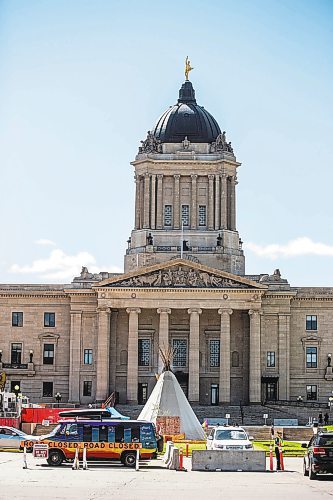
<point>128,459</point>
<point>312,475</point>
<point>56,458</point>
<point>305,470</point>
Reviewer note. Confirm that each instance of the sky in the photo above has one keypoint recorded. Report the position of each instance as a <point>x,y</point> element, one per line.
<point>82,82</point>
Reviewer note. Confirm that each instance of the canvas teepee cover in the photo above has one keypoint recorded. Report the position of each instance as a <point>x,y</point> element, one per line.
<point>168,399</point>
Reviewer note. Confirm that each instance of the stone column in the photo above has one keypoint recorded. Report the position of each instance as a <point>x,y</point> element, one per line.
<point>141,184</point>
<point>132,362</point>
<point>224,204</point>
<point>146,202</point>
<point>103,353</point>
<point>75,357</point>
<point>255,358</point>
<point>137,202</point>
<point>153,201</point>
<point>113,348</point>
<point>233,183</point>
<point>193,365</point>
<point>217,202</point>
<point>176,203</point>
<point>159,208</point>
<point>194,202</point>
<point>284,356</point>
<point>224,382</point>
<point>211,202</point>
<point>163,335</point>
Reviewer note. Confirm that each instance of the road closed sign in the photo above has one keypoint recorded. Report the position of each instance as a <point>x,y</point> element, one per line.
<point>41,450</point>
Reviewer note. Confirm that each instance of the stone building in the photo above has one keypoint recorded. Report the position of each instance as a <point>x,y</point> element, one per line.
<point>236,337</point>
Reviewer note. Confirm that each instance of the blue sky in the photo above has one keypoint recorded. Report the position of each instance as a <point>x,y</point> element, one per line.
<point>82,82</point>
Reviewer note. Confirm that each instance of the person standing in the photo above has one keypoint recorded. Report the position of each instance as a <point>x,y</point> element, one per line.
<point>277,446</point>
<point>326,418</point>
<point>320,418</point>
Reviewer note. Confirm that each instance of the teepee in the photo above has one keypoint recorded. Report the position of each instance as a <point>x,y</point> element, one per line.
<point>169,400</point>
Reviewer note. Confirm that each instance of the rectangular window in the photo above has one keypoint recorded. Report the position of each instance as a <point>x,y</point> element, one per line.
<point>311,322</point>
<point>180,352</point>
<point>168,215</point>
<point>311,357</point>
<point>186,215</point>
<point>311,392</point>
<point>142,393</point>
<point>214,353</point>
<point>202,215</point>
<point>87,387</point>
<point>17,319</point>
<point>49,319</point>
<point>214,394</point>
<point>87,358</point>
<point>144,352</point>
<point>47,389</point>
<point>48,354</point>
<point>270,359</point>
<point>16,354</point>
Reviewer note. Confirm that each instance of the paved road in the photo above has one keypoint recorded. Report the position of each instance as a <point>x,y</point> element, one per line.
<point>152,482</point>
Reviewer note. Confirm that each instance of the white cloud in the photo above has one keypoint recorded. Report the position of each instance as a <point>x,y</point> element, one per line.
<point>59,266</point>
<point>294,248</point>
<point>43,241</point>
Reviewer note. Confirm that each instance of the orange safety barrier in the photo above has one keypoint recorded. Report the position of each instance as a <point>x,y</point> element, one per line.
<point>181,459</point>
<point>281,458</point>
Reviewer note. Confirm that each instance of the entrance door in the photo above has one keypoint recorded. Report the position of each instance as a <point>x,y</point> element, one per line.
<point>142,393</point>
<point>271,391</point>
<point>214,394</point>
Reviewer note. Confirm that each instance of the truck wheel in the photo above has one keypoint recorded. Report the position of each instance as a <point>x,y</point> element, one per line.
<point>129,458</point>
<point>56,458</point>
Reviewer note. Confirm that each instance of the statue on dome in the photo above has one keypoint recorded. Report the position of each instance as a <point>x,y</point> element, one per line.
<point>188,67</point>
<point>221,144</point>
<point>150,144</point>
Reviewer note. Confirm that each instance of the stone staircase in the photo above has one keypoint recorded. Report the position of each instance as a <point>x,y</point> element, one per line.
<point>43,429</point>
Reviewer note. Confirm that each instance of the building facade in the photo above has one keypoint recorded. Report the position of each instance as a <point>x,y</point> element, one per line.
<point>235,337</point>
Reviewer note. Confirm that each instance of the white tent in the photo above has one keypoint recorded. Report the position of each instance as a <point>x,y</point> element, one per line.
<point>169,400</point>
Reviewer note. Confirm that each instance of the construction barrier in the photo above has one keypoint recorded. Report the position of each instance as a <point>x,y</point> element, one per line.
<point>84,459</point>
<point>25,465</point>
<point>229,460</point>
<point>137,460</point>
<point>281,458</point>
<point>76,463</point>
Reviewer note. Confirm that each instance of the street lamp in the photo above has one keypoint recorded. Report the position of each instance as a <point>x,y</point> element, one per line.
<point>330,402</point>
<point>58,397</point>
<point>31,354</point>
<point>0,355</point>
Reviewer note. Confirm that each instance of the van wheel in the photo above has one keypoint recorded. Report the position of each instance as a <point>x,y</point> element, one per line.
<point>128,459</point>
<point>56,458</point>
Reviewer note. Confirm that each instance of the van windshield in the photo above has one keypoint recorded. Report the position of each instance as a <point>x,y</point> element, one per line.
<point>225,434</point>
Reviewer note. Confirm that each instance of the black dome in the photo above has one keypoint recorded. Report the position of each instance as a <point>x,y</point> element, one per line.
<point>186,119</point>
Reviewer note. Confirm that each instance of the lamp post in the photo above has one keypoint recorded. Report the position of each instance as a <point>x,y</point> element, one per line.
<point>31,355</point>
<point>58,397</point>
<point>0,355</point>
<point>330,402</point>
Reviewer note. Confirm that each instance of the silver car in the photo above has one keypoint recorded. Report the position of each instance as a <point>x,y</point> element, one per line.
<point>10,438</point>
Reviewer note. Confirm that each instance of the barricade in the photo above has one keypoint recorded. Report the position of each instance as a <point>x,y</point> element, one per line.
<point>137,466</point>
<point>84,459</point>
<point>281,458</point>
<point>76,463</point>
<point>25,465</point>
<point>167,453</point>
<point>229,460</point>
<point>174,462</point>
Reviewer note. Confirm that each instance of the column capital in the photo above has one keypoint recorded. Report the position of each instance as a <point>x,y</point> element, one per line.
<point>135,310</point>
<point>254,313</point>
<point>104,309</point>
<point>137,177</point>
<point>176,177</point>
<point>224,175</point>
<point>211,177</point>
<point>225,311</point>
<point>160,176</point>
<point>165,310</point>
<point>146,174</point>
<point>78,312</point>
<point>194,177</point>
<point>195,310</point>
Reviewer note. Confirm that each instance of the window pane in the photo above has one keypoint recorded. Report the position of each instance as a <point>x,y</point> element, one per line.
<point>311,322</point>
<point>16,354</point>
<point>167,215</point>
<point>144,352</point>
<point>49,319</point>
<point>180,354</point>
<point>185,215</point>
<point>202,215</point>
<point>48,354</point>
<point>214,353</point>
<point>311,357</point>
<point>17,319</point>
<point>87,357</point>
<point>271,359</point>
<point>311,392</point>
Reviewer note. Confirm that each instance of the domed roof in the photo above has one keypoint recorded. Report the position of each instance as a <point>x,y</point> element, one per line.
<point>186,119</point>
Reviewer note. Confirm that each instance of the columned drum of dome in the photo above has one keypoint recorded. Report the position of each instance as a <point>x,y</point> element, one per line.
<point>185,201</point>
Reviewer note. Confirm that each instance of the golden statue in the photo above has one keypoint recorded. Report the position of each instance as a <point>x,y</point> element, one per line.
<point>188,67</point>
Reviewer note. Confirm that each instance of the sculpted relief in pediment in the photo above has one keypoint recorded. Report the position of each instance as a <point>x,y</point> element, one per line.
<point>180,277</point>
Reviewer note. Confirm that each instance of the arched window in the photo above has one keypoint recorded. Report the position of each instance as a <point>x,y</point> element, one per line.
<point>235,358</point>
<point>123,357</point>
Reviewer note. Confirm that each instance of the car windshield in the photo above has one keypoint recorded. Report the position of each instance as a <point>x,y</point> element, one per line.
<point>54,432</point>
<point>226,434</point>
<point>326,441</point>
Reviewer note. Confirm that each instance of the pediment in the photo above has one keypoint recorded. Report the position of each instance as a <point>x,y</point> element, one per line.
<point>177,274</point>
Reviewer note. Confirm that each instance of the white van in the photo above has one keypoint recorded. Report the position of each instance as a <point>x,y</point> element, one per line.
<point>229,438</point>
